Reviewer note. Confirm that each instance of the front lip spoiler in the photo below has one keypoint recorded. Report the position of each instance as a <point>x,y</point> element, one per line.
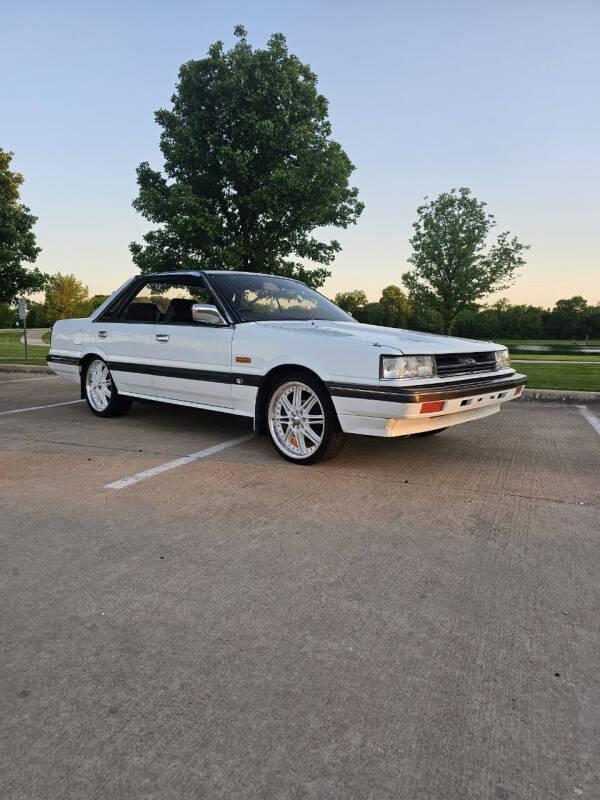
<point>428,392</point>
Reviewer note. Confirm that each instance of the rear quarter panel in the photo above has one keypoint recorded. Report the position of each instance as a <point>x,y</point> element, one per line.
<point>70,338</point>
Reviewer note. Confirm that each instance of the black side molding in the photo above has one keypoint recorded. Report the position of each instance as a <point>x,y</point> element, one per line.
<point>64,360</point>
<point>190,374</point>
<point>426,392</point>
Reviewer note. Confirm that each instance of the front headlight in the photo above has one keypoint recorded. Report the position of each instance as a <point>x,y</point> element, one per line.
<point>502,359</point>
<point>399,367</point>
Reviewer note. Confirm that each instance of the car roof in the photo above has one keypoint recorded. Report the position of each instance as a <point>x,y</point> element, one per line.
<point>196,272</point>
<point>240,272</point>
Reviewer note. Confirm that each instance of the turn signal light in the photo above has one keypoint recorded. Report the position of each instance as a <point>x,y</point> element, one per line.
<point>431,408</point>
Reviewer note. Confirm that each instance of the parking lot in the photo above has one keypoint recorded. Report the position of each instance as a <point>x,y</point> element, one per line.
<point>414,619</point>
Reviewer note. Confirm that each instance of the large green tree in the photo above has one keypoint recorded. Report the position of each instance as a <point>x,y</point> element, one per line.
<point>250,169</point>
<point>17,240</point>
<point>454,264</point>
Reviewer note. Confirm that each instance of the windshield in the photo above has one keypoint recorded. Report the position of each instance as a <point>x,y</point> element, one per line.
<point>256,298</point>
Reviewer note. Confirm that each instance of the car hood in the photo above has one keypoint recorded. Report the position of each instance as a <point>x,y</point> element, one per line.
<point>404,341</point>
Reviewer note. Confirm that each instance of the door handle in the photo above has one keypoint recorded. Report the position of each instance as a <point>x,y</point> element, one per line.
<point>103,334</point>
<point>162,337</point>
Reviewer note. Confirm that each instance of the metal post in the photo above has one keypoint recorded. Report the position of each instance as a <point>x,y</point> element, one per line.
<point>23,316</point>
<point>25,334</point>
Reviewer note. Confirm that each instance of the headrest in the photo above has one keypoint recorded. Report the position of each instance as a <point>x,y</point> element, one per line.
<point>142,312</point>
<point>179,310</point>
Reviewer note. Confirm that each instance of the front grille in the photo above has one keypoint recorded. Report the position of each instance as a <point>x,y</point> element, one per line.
<point>464,363</point>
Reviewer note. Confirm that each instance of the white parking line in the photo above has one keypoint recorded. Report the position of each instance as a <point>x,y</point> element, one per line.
<point>591,418</point>
<point>21,380</point>
<point>38,408</point>
<point>179,462</point>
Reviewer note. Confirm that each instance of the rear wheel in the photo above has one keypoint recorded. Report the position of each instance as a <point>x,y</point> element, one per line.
<point>100,392</point>
<point>302,421</point>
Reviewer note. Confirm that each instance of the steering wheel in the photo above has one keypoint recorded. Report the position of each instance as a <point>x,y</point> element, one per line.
<point>245,310</point>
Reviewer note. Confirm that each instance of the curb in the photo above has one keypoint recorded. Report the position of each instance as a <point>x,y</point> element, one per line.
<point>25,368</point>
<point>559,396</point>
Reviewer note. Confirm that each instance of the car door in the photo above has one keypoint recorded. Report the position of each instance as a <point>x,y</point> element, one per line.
<point>191,362</point>
<point>125,339</point>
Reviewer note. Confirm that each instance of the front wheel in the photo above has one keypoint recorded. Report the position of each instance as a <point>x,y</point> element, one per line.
<point>302,421</point>
<point>100,391</point>
<point>429,433</point>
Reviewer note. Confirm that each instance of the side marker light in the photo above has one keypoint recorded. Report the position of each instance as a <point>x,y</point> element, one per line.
<point>431,408</point>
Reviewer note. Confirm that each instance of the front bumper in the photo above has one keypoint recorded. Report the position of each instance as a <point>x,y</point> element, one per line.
<point>449,390</point>
<point>396,411</point>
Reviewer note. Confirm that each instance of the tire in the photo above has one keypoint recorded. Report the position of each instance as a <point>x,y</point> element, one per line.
<point>429,433</point>
<point>100,392</point>
<point>301,420</point>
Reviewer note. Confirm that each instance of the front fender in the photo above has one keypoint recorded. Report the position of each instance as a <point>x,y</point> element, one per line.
<point>332,358</point>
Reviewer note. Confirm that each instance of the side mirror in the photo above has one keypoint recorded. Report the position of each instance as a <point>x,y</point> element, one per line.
<point>207,314</point>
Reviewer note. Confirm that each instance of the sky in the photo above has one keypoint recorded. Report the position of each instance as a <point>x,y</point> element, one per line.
<point>424,95</point>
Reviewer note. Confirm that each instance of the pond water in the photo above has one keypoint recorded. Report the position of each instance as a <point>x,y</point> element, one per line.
<point>557,350</point>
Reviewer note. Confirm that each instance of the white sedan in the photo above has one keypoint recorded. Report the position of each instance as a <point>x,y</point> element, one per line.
<point>272,349</point>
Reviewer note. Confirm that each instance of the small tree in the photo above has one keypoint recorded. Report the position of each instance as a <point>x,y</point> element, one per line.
<point>66,297</point>
<point>373,314</point>
<point>567,318</point>
<point>453,264</point>
<point>591,321</point>
<point>396,305</point>
<point>250,169</point>
<point>17,240</point>
<point>92,304</point>
<point>37,315</point>
<point>8,316</point>
<point>351,301</point>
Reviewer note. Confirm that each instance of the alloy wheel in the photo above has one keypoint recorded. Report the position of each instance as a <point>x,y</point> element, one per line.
<point>296,420</point>
<point>98,385</point>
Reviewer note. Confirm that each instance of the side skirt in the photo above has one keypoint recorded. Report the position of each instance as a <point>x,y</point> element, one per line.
<point>169,402</point>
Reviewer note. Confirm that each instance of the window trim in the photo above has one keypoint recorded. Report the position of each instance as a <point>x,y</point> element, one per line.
<point>117,306</point>
<point>227,311</point>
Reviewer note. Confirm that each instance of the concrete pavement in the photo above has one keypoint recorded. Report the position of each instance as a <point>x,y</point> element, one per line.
<point>415,619</point>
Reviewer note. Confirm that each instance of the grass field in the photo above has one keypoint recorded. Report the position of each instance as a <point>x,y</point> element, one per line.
<point>13,352</point>
<point>553,357</point>
<point>576,377</point>
<point>556,342</point>
<point>583,375</point>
